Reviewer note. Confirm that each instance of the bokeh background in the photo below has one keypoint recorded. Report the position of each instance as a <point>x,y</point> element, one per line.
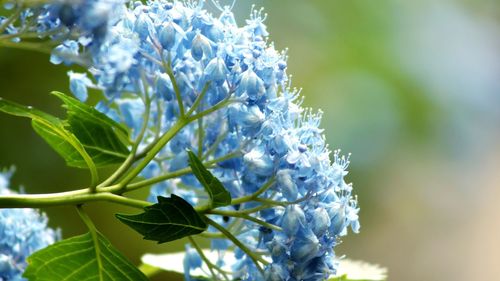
<point>411,88</point>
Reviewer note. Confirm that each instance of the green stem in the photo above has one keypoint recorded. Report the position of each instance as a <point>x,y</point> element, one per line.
<point>282,203</point>
<point>237,214</point>
<point>198,99</point>
<point>66,198</point>
<point>11,19</point>
<point>255,209</point>
<point>211,235</point>
<point>209,264</point>
<point>214,108</point>
<point>132,156</point>
<point>255,195</point>
<point>30,35</point>
<point>239,244</point>
<point>150,155</point>
<point>200,137</point>
<point>170,73</point>
<point>93,232</point>
<point>272,202</point>
<point>171,175</point>
<point>215,145</point>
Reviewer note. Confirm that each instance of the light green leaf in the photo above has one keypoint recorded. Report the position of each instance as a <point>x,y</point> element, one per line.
<point>218,194</point>
<point>87,139</point>
<point>101,136</point>
<point>60,143</point>
<point>79,258</point>
<point>169,219</point>
<point>53,131</point>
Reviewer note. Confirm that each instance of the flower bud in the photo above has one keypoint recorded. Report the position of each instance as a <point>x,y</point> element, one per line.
<point>200,46</point>
<point>142,26</point>
<point>286,184</point>
<point>293,219</point>
<point>305,247</point>
<point>164,87</point>
<point>275,272</point>
<point>320,221</point>
<point>216,71</point>
<point>167,36</point>
<point>259,162</point>
<point>252,85</point>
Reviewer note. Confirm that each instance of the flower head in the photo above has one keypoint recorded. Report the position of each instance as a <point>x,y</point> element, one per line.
<point>22,232</point>
<point>225,90</point>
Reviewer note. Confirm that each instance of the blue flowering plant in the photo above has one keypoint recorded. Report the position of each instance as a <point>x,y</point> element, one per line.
<point>200,111</point>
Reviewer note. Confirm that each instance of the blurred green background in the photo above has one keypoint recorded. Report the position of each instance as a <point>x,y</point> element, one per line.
<point>411,88</point>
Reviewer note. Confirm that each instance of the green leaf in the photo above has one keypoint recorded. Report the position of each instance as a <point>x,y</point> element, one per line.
<point>81,258</point>
<point>87,139</point>
<point>16,109</point>
<point>219,196</point>
<point>53,131</point>
<point>169,219</point>
<point>101,136</point>
<point>60,143</point>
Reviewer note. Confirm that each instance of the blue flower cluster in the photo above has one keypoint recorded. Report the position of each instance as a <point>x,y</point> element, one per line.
<point>160,61</point>
<point>75,25</point>
<point>22,232</point>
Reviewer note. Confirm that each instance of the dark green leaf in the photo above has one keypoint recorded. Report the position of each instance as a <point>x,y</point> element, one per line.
<point>52,130</point>
<point>101,136</point>
<point>219,196</point>
<point>81,258</point>
<point>169,219</point>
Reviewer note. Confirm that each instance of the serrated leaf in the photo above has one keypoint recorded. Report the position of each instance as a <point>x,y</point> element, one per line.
<point>100,135</point>
<point>80,258</point>
<point>52,130</point>
<point>218,194</point>
<point>169,219</point>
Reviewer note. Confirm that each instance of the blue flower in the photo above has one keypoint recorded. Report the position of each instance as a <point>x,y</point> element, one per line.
<point>78,83</point>
<point>22,232</point>
<point>192,260</point>
<point>160,52</point>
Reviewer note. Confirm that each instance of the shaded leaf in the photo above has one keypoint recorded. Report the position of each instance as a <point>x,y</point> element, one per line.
<point>60,144</point>
<point>219,196</point>
<point>53,131</point>
<point>100,135</point>
<point>80,258</point>
<point>169,219</point>
<point>87,139</point>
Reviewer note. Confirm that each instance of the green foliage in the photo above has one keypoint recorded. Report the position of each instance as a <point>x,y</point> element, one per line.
<point>101,136</point>
<point>169,219</point>
<point>87,139</point>
<point>53,131</point>
<point>219,196</point>
<point>81,258</point>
